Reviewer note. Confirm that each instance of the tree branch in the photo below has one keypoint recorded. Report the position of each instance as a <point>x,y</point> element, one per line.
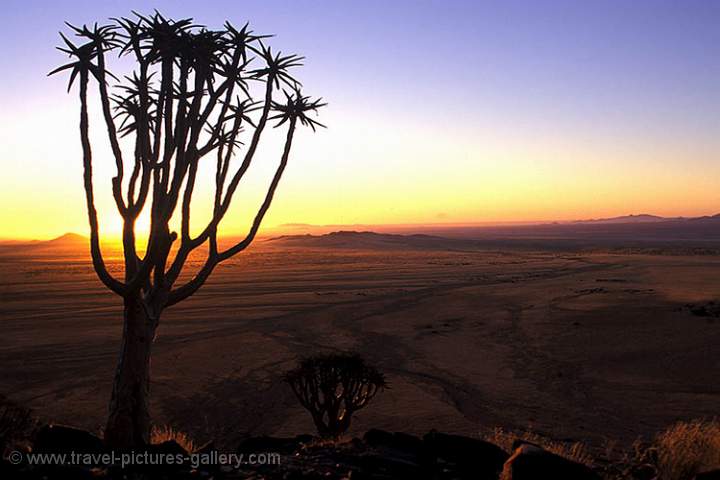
<point>112,134</point>
<point>99,265</point>
<point>240,246</point>
<point>214,257</point>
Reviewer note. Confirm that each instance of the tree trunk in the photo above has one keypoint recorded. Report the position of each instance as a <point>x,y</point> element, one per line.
<point>128,423</point>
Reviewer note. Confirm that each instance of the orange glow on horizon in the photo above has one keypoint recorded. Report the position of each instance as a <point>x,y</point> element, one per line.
<point>420,174</point>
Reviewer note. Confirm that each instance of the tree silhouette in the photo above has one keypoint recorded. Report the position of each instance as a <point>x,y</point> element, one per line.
<point>188,98</point>
<point>333,387</point>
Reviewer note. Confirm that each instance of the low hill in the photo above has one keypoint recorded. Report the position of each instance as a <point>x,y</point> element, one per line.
<point>641,218</point>
<point>370,240</point>
<point>68,244</point>
<point>66,240</point>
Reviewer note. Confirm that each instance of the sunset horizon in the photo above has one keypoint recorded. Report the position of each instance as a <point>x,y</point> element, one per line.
<point>310,228</point>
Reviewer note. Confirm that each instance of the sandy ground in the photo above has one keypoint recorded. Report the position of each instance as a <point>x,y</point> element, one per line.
<point>577,346</point>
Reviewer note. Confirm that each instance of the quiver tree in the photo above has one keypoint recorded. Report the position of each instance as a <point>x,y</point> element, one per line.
<point>188,100</point>
<point>333,387</point>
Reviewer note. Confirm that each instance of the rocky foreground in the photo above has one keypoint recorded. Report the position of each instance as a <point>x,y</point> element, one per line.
<point>378,455</point>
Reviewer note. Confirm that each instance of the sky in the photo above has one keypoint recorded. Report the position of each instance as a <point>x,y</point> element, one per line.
<point>439,112</point>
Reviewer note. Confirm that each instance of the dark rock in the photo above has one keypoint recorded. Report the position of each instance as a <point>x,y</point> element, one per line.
<point>271,444</point>
<point>530,462</point>
<point>375,437</point>
<point>174,464</point>
<point>60,438</point>
<point>403,443</point>
<point>63,472</point>
<point>300,439</point>
<point>474,458</point>
<point>382,466</point>
<point>644,471</point>
<point>10,470</point>
<point>709,475</point>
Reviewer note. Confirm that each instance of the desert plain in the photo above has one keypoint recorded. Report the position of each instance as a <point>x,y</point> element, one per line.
<point>572,343</point>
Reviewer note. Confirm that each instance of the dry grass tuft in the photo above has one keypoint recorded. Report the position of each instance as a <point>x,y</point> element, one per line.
<point>576,452</point>
<point>164,433</point>
<point>687,448</point>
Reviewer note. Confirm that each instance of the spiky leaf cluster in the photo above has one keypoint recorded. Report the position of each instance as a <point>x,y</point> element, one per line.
<point>219,57</point>
<point>189,93</point>
<point>297,106</point>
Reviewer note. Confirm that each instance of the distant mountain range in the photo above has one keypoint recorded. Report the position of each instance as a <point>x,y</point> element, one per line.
<point>644,218</point>
<point>370,241</point>
<point>631,231</point>
<point>641,218</point>
<point>628,230</point>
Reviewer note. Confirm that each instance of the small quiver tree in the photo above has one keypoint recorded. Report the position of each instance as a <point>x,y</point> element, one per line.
<point>333,387</point>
